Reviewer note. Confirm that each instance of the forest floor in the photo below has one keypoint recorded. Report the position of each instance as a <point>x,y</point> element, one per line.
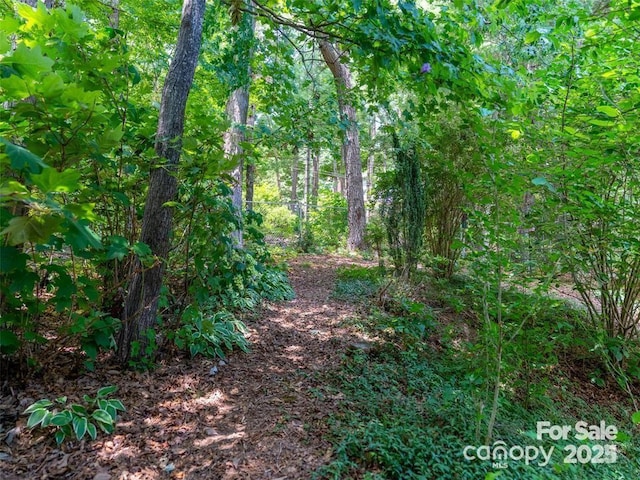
<point>259,417</point>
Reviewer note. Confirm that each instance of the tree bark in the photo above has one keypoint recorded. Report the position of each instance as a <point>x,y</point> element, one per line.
<point>315,181</point>
<point>141,303</point>
<point>250,165</point>
<point>114,18</point>
<point>356,216</point>
<point>294,182</point>
<point>307,184</point>
<point>237,109</point>
<point>373,131</point>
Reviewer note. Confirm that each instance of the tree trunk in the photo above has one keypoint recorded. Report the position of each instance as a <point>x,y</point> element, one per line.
<point>373,131</point>
<point>315,181</point>
<point>294,182</point>
<point>278,179</point>
<point>356,216</point>
<point>237,108</point>
<point>114,18</point>
<point>307,184</point>
<point>141,303</point>
<point>336,183</point>
<point>250,165</point>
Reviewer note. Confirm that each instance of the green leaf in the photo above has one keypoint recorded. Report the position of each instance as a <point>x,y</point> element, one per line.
<point>601,123</point>
<point>15,88</point>
<point>62,418</point>
<point>541,181</point>
<point>9,342</point>
<point>52,86</point>
<point>532,37</point>
<point>92,431</point>
<point>12,191</point>
<point>5,45</point>
<point>113,413</point>
<point>29,61</point>
<point>46,421</point>
<point>79,426</point>
<point>608,110</point>
<point>78,409</point>
<point>635,418</point>
<point>38,415</point>
<point>35,229</point>
<point>44,403</point>
<point>60,436</point>
<point>117,404</point>
<point>22,158</point>
<point>80,236</point>
<point>118,248</point>
<point>12,259</point>
<point>90,350</point>
<point>106,391</point>
<point>50,180</point>
<point>623,437</point>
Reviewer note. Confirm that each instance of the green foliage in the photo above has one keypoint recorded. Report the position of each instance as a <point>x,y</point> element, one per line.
<point>96,333</point>
<point>210,333</point>
<point>221,281</point>
<point>329,220</point>
<point>408,413</point>
<point>450,166</point>
<point>396,410</point>
<point>67,420</point>
<point>280,221</point>
<point>143,353</point>
<point>374,236</point>
<point>403,208</point>
<point>356,284</point>
<point>67,85</point>
<point>410,324</point>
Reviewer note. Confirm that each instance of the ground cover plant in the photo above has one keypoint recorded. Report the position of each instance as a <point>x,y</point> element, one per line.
<point>410,408</point>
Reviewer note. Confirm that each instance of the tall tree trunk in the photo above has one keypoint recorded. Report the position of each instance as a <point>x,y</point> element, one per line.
<point>278,178</point>
<point>237,108</point>
<point>141,303</point>
<point>114,18</point>
<point>307,184</point>
<point>356,216</point>
<point>250,165</point>
<point>373,131</point>
<point>294,181</point>
<point>315,181</point>
<point>336,183</point>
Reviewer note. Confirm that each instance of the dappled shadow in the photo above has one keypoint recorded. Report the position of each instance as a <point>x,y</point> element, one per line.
<point>263,415</point>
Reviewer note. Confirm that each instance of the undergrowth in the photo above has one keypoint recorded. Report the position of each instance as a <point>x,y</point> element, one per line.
<point>410,410</point>
<point>356,284</point>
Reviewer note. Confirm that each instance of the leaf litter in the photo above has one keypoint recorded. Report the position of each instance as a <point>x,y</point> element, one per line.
<point>259,415</point>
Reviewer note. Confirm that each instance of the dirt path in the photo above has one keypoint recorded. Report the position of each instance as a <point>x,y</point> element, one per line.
<point>261,416</point>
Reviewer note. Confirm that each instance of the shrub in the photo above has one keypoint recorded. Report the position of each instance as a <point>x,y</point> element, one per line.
<point>76,420</point>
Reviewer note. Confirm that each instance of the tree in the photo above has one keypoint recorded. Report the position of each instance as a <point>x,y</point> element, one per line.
<point>350,145</point>
<point>141,303</point>
<point>237,111</point>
